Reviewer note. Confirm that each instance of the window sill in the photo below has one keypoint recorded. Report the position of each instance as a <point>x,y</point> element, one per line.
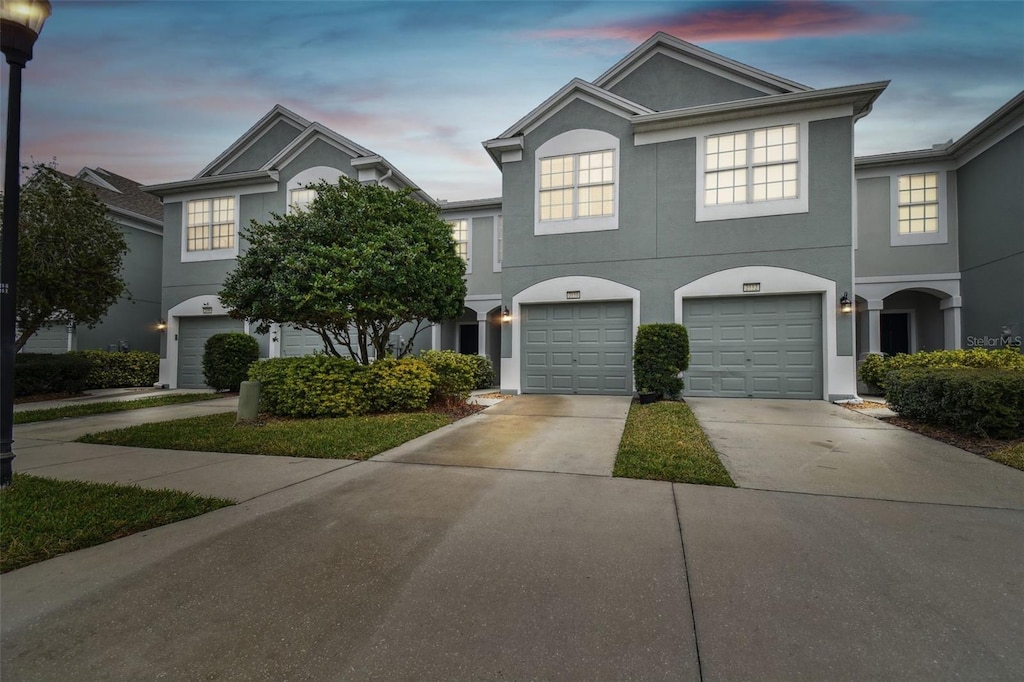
<point>547,227</point>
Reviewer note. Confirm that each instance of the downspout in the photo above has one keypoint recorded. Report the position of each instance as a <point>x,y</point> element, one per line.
<point>386,176</point>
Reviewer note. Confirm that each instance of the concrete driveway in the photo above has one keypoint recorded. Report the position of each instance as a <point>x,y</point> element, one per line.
<point>556,433</point>
<point>811,446</point>
<point>407,570</point>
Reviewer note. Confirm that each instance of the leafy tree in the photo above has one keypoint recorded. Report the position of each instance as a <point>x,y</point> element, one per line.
<point>360,263</point>
<point>69,254</point>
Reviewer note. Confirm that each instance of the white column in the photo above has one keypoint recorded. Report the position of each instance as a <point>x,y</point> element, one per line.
<point>435,336</point>
<point>875,326</point>
<point>275,340</point>
<point>951,325</point>
<point>481,323</point>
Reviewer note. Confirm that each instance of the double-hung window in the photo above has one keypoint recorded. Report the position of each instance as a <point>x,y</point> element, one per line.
<point>752,166</point>
<point>460,233</point>
<point>210,225</point>
<point>300,199</point>
<point>918,203</point>
<point>577,186</point>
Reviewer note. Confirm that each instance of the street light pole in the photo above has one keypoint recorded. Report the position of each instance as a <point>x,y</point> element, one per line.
<point>20,24</point>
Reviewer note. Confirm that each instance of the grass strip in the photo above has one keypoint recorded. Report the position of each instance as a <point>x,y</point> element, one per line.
<point>1012,456</point>
<point>339,438</point>
<point>43,517</point>
<point>664,442</point>
<point>86,409</point>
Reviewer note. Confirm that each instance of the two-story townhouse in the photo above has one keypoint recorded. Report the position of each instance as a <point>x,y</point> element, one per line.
<point>682,186</point>
<point>131,323</point>
<point>265,171</point>
<point>940,241</point>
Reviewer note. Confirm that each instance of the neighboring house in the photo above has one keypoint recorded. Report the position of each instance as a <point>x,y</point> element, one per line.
<point>265,171</point>
<point>132,323</point>
<point>940,242</point>
<point>681,186</point>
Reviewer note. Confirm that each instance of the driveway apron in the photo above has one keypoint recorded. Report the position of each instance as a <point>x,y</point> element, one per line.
<point>554,433</point>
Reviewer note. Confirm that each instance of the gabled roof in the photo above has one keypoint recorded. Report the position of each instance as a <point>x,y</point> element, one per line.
<point>1003,121</point>
<point>575,89</point>
<point>249,137</point>
<point>663,43</point>
<point>120,194</point>
<point>306,137</point>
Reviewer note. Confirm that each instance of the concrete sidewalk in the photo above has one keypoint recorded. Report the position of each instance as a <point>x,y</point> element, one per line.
<point>103,395</point>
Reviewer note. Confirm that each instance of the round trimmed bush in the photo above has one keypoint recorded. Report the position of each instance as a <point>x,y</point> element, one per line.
<point>226,359</point>
<point>455,372</point>
<point>404,385</point>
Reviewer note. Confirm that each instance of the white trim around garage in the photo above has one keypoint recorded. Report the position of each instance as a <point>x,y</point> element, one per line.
<point>840,380</point>
<point>556,290</point>
<point>193,307</point>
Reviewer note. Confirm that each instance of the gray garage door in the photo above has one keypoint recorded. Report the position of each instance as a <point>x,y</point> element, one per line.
<point>297,342</point>
<point>49,339</point>
<point>758,346</point>
<point>192,335</point>
<point>578,348</point>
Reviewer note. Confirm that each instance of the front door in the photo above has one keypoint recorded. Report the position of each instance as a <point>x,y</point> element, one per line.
<point>895,332</point>
<point>469,339</point>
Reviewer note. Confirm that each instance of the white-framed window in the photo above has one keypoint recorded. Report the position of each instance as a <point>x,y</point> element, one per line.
<point>917,201</point>
<point>499,242</point>
<point>460,233</point>
<point>210,224</point>
<point>577,176</point>
<point>752,166</point>
<point>577,186</point>
<point>300,199</point>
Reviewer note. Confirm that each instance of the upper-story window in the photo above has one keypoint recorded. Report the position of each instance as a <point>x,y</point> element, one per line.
<point>752,166</point>
<point>918,203</point>
<point>300,199</point>
<point>460,233</point>
<point>577,186</point>
<point>211,224</point>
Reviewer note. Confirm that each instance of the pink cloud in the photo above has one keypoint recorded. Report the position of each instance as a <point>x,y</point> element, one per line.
<point>745,22</point>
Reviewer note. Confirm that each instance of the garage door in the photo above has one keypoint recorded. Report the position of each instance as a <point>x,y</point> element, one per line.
<point>297,342</point>
<point>48,339</point>
<point>759,346</point>
<point>192,335</point>
<point>577,348</point>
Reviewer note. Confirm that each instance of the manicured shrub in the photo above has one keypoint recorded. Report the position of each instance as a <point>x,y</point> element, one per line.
<point>404,385</point>
<point>874,369</point>
<point>661,353</point>
<point>226,359</point>
<point>483,371</point>
<point>117,370</point>
<point>310,386</point>
<point>40,373</point>
<point>985,402</point>
<point>456,374</point>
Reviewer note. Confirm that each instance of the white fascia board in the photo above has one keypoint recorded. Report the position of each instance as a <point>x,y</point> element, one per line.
<point>251,136</point>
<point>250,182</point>
<point>663,43</point>
<point>576,88</point>
<point>491,203</point>
<point>89,175</point>
<point>376,161</point>
<point>135,220</point>
<point>309,136</point>
<point>857,97</point>
<point>925,164</point>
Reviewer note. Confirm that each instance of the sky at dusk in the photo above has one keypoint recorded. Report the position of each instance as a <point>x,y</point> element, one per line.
<point>155,89</point>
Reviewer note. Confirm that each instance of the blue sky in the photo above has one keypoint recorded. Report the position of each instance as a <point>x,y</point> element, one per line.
<point>155,89</point>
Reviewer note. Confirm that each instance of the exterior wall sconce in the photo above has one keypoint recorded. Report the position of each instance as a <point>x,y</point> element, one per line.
<point>506,316</point>
<point>845,304</point>
<point>161,326</point>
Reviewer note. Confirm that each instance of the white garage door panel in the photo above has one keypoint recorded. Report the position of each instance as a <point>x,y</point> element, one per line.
<point>192,335</point>
<point>577,348</point>
<point>765,347</point>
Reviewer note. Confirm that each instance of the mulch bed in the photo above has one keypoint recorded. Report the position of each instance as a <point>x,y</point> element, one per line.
<point>976,444</point>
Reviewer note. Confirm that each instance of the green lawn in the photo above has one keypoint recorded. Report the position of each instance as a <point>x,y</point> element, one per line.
<point>85,409</point>
<point>341,438</point>
<point>41,518</point>
<point>664,442</point>
<point>1010,456</point>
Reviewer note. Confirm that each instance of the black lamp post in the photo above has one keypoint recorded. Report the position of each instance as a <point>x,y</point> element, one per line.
<point>20,24</point>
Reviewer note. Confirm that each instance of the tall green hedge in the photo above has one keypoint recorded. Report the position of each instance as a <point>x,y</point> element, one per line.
<point>310,386</point>
<point>120,369</point>
<point>456,374</point>
<point>874,370</point>
<point>985,402</point>
<point>660,354</point>
<point>226,359</point>
<point>40,373</point>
